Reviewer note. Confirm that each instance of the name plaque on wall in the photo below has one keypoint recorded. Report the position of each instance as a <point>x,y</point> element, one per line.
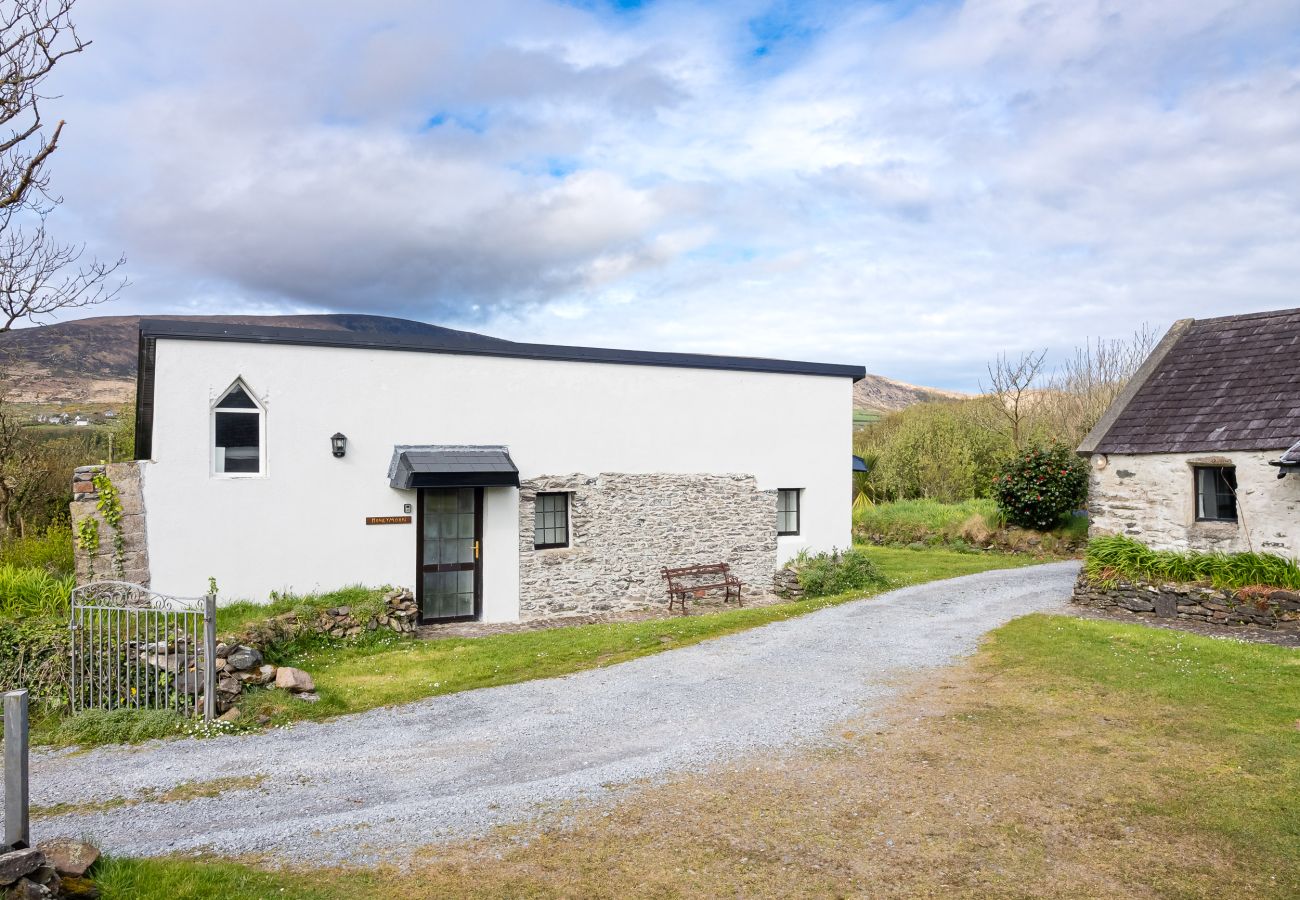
<point>388,520</point>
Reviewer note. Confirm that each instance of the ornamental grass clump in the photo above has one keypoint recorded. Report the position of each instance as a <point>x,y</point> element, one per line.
<point>838,572</point>
<point>1039,487</point>
<point>1114,557</point>
<point>33,592</point>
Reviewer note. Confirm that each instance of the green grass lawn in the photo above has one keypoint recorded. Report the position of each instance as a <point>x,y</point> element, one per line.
<point>1070,758</point>
<point>970,522</point>
<point>392,670</point>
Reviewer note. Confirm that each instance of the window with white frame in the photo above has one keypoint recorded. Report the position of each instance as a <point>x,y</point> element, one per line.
<point>787,511</point>
<point>237,433</point>
<point>551,521</point>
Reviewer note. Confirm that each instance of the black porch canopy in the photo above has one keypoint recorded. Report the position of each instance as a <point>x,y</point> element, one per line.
<point>452,466</point>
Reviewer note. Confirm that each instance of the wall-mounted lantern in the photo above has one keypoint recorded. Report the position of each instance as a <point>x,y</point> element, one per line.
<point>339,443</point>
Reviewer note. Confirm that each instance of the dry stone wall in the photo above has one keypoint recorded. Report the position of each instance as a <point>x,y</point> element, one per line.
<point>623,528</point>
<point>103,564</point>
<point>1269,607</point>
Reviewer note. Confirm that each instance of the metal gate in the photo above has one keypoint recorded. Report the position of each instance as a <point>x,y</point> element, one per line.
<point>133,648</point>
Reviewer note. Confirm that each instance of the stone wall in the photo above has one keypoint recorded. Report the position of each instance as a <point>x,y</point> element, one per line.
<point>623,528</point>
<point>1262,606</point>
<point>1152,498</point>
<point>103,564</point>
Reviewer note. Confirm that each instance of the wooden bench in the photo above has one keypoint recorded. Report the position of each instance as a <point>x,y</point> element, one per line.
<point>695,580</point>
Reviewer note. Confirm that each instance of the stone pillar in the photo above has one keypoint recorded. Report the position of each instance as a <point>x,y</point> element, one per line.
<point>104,564</point>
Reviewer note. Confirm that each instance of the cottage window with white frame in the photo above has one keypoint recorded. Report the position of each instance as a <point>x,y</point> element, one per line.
<point>237,432</point>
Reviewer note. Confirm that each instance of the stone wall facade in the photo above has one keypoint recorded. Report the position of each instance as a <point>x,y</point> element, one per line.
<point>103,564</point>
<point>624,528</point>
<point>1264,606</point>
<point>1152,498</point>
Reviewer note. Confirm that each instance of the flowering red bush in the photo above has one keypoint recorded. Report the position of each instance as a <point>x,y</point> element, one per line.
<point>1038,487</point>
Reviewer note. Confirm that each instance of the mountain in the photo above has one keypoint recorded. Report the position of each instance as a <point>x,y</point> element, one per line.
<point>93,360</point>
<point>879,394</point>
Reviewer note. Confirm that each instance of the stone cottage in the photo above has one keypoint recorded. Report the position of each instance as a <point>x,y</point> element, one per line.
<point>1202,449</point>
<point>500,480</point>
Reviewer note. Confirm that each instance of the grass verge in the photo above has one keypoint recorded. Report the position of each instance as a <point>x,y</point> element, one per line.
<point>1070,758</point>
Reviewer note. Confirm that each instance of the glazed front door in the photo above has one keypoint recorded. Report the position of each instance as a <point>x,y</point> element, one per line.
<point>448,555</point>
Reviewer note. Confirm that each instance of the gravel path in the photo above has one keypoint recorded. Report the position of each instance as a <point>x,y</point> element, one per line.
<point>377,784</point>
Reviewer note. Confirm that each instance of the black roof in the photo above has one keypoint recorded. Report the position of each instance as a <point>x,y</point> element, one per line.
<point>452,466</point>
<point>464,342</point>
<point>1230,383</point>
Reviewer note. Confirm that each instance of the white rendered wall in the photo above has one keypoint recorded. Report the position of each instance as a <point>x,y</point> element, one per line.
<point>301,526</point>
<point>1151,497</point>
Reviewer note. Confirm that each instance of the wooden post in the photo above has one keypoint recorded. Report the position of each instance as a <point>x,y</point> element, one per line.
<point>209,657</point>
<point>17,831</point>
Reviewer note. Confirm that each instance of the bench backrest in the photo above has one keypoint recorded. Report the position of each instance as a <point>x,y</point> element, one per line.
<point>687,571</point>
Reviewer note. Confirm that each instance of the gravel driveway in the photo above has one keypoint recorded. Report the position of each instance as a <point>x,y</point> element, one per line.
<point>376,784</point>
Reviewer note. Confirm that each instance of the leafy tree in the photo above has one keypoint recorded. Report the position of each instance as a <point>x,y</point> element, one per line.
<point>940,451</point>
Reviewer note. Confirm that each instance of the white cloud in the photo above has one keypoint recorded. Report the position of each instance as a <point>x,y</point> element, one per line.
<point>912,189</point>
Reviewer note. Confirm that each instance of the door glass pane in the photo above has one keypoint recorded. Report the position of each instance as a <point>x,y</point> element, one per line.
<point>449,524</point>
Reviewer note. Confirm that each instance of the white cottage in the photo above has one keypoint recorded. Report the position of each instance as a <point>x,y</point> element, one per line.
<point>503,481</point>
<point>1196,452</point>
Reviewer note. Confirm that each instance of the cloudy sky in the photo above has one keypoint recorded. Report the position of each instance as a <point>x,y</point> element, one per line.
<point>910,185</point>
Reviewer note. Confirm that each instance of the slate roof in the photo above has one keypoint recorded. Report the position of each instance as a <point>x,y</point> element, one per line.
<point>452,466</point>
<point>1231,383</point>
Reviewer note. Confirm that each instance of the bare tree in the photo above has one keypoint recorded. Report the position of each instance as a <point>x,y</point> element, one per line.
<point>1087,383</point>
<point>34,36</point>
<point>38,275</point>
<point>1011,385</point>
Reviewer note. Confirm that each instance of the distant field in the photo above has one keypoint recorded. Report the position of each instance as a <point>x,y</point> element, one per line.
<point>862,417</point>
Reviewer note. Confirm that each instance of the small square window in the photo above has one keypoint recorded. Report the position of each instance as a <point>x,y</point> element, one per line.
<point>551,521</point>
<point>787,510</point>
<point>1216,493</point>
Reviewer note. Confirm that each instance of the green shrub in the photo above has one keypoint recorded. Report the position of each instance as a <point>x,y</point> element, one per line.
<point>50,550</point>
<point>1110,558</point>
<point>838,572</point>
<point>1040,486</point>
<point>27,593</point>
<point>92,727</point>
<point>34,654</point>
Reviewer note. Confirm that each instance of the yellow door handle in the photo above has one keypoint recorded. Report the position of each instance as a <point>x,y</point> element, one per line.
<point>476,549</point>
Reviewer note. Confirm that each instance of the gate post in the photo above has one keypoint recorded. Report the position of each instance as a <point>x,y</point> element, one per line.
<point>209,657</point>
<point>17,830</point>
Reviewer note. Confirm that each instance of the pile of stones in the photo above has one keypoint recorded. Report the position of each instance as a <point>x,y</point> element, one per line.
<point>241,665</point>
<point>240,660</point>
<point>55,868</point>
<point>785,583</point>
